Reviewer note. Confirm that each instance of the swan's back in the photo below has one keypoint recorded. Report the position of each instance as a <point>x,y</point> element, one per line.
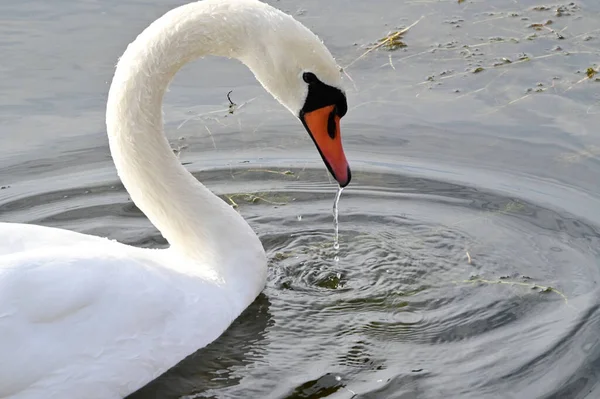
<point>26,237</point>
<point>99,322</point>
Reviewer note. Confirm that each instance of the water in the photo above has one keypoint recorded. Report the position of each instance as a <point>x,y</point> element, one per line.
<point>336,223</point>
<point>500,164</point>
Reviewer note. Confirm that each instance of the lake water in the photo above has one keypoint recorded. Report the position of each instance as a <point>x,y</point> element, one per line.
<point>469,237</point>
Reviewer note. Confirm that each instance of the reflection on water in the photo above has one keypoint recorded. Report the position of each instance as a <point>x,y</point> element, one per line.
<point>469,237</point>
<point>214,367</point>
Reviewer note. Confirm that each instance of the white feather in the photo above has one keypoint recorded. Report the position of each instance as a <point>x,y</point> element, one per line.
<point>86,317</point>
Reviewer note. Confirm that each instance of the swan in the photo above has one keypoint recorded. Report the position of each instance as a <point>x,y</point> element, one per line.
<point>87,317</point>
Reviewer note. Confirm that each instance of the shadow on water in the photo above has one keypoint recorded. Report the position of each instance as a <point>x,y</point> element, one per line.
<point>220,363</point>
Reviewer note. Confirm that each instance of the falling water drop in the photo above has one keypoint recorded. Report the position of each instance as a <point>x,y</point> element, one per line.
<point>336,238</point>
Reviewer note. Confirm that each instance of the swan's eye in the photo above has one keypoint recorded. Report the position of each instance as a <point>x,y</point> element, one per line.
<point>309,77</point>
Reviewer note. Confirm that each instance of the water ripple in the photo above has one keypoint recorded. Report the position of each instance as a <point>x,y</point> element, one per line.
<point>440,289</point>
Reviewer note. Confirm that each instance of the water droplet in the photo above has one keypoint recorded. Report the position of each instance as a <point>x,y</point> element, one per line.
<point>336,258</point>
<point>336,238</point>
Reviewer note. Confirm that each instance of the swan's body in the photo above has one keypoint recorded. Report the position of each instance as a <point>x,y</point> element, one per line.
<point>86,317</point>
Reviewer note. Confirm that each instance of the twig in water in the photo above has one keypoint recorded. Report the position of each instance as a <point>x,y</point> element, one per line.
<point>230,198</point>
<point>232,105</point>
<point>349,77</point>
<point>211,136</point>
<point>589,74</point>
<point>387,40</point>
<point>480,89</point>
<point>541,288</point>
<point>277,172</point>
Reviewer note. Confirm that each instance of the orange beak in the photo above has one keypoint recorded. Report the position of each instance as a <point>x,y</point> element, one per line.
<point>323,125</point>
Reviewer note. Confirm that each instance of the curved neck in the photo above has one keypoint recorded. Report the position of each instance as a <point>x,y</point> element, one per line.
<point>194,221</point>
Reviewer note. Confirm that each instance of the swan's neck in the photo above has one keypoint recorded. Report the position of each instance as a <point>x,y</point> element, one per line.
<point>196,223</point>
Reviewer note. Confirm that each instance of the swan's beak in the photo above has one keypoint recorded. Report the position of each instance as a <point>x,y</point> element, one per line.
<point>323,125</point>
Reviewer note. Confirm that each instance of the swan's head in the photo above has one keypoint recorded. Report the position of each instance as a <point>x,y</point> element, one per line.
<point>323,108</point>
<point>297,69</point>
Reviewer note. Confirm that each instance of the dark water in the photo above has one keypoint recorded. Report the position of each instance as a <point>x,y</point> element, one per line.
<point>470,236</point>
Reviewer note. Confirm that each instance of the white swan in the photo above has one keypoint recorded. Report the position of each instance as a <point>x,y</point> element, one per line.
<point>87,317</point>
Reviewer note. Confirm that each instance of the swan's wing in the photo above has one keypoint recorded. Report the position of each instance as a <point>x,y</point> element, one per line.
<point>90,320</point>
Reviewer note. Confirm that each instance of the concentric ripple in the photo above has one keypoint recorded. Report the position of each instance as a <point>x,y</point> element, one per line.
<point>440,290</point>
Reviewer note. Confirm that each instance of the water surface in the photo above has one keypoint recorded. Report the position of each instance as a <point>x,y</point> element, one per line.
<point>469,237</point>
